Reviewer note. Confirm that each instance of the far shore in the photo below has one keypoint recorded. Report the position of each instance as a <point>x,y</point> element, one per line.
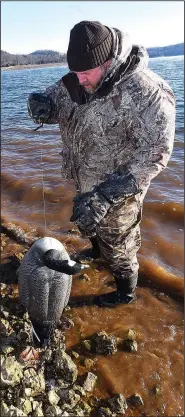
<point>19,67</point>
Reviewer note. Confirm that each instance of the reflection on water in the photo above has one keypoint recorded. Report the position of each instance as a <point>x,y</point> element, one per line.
<point>155,315</point>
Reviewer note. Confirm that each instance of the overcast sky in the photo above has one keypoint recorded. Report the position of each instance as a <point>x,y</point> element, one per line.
<point>27,26</point>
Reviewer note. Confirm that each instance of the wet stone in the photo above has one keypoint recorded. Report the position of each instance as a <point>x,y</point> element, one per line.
<point>135,399</point>
<point>7,349</point>
<point>117,403</point>
<point>4,312</point>
<point>79,390</point>
<point>10,411</point>
<point>105,344</point>
<point>89,382</point>
<point>157,390</point>
<point>130,345</point>
<point>38,412</point>
<point>84,277</point>
<point>53,410</point>
<point>11,371</point>
<point>75,354</point>
<point>84,408</point>
<point>23,336</point>
<point>86,344</point>
<point>25,405</point>
<point>105,412</point>
<point>66,323</point>
<point>131,334</point>
<point>33,382</point>
<point>68,399</point>
<point>65,367</point>
<point>53,398</point>
<point>89,363</point>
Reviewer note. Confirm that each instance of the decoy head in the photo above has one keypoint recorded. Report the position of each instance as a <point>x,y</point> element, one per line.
<point>52,260</point>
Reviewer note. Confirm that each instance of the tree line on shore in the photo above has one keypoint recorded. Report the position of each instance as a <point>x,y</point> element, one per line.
<point>37,57</point>
<point>48,56</point>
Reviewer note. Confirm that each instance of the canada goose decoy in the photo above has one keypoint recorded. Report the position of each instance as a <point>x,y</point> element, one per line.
<point>44,279</point>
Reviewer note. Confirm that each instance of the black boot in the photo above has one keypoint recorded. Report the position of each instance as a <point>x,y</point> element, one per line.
<point>90,253</point>
<point>124,294</point>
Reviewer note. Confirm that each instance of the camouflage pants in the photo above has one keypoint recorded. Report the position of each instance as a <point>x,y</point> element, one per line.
<point>118,237</point>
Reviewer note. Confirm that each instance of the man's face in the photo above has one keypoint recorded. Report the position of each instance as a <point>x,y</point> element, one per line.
<point>92,78</point>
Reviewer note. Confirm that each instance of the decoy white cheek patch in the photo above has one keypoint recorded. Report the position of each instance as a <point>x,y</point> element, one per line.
<point>71,263</point>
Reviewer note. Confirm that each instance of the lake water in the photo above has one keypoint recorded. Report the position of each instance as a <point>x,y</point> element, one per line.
<point>157,315</point>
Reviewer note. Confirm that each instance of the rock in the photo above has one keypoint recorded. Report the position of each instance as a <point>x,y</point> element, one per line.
<point>4,312</point>
<point>4,327</point>
<point>130,345</point>
<point>89,363</point>
<point>83,408</point>
<point>53,398</point>
<point>3,289</point>
<point>68,399</point>
<point>26,317</point>
<point>48,356</point>
<point>24,405</point>
<point>19,256</point>
<point>75,354</point>
<point>79,390</point>
<point>84,277</point>
<point>67,308</point>
<point>89,382</point>
<point>11,371</point>
<point>135,399</point>
<point>87,344</point>
<point>66,323</point>
<point>105,412</point>
<point>117,403</point>
<point>10,411</point>
<point>58,340</point>
<point>131,334</point>
<point>23,336</point>
<point>7,349</point>
<point>33,382</point>
<point>157,390</point>
<point>65,367</point>
<point>105,344</point>
<point>38,412</point>
<point>53,410</point>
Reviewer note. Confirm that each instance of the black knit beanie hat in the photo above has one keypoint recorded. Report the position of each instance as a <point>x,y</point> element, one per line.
<point>90,45</point>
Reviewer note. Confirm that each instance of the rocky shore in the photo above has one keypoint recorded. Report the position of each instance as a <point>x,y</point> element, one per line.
<point>51,384</point>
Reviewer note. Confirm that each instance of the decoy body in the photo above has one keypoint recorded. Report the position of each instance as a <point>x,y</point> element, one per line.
<point>45,278</point>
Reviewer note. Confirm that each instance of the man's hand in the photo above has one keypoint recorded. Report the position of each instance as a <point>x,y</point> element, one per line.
<point>88,210</point>
<point>39,107</point>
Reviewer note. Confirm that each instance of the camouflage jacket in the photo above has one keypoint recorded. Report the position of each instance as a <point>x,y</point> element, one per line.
<point>115,141</point>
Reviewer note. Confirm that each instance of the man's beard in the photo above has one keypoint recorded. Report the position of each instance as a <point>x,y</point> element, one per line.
<point>92,88</point>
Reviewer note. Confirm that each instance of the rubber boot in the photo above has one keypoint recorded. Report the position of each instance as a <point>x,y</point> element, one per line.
<point>123,295</point>
<point>90,253</point>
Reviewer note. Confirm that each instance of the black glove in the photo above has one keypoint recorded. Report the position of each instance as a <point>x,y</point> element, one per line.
<point>88,210</point>
<point>39,107</point>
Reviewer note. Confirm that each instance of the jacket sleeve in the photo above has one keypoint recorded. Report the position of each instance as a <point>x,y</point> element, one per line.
<point>51,106</point>
<point>153,131</point>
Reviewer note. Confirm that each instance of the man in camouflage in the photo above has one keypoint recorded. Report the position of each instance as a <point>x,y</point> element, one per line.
<point>117,120</point>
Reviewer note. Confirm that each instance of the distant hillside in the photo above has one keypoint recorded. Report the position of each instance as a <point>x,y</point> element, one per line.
<point>171,50</point>
<point>49,56</point>
<point>37,57</point>
<point>44,52</point>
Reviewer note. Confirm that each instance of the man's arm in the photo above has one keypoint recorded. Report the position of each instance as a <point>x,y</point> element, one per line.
<point>153,134</point>
<point>51,106</point>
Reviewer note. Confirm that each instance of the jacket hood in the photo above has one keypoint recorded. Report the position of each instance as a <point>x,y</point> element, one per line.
<point>124,51</point>
<point>126,57</point>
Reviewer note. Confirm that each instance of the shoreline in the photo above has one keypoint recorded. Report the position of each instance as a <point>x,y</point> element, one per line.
<point>30,66</point>
<point>62,64</point>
